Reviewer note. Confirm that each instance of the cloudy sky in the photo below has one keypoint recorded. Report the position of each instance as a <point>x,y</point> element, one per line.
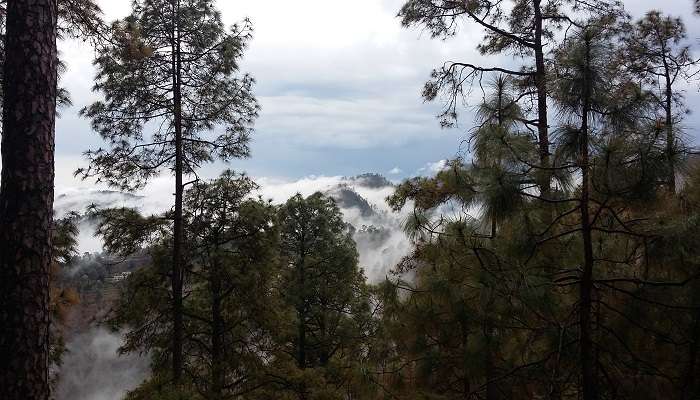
<point>339,83</point>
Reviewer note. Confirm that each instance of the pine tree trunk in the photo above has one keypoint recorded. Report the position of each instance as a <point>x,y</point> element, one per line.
<point>324,353</point>
<point>541,86</point>
<point>587,359</point>
<point>487,326</point>
<point>301,315</point>
<point>668,110</point>
<point>26,198</point>
<point>178,234</point>
<point>217,346</point>
<point>670,137</point>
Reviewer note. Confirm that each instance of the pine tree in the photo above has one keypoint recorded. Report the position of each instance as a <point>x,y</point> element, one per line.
<point>233,306</point>
<point>174,99</point>
<point>575,300</point>
<point>26,198</point>
<point>581,75</point>
<point>465,249</point>
<point>659,56</point>
<point>230,303</point>
<point>323,285</point>
<point>524,29</point>
<point>463,314</point>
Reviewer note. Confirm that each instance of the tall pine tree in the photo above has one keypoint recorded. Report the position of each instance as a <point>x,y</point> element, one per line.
<point>658,53</point>
<point>26,198</point>
<point>325,290</point>
<point>173,100</point>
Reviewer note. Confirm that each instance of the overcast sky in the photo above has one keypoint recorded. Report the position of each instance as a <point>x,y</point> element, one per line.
<point>339,83</point>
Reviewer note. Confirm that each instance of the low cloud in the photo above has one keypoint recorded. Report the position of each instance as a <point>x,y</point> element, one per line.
<point>364,206</point>
<point>93,370</point>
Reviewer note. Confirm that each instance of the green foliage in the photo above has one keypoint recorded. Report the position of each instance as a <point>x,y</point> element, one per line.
<point>232,305</point>
<point>65,243</point>
<point>173,99</point>
<point>327,298</point>
<point>507,285</point>
<point>138,74</point>
<point>523,29</point>
<point>229,300</point>
<point>125,231</point>
<point>551,262</point>
<point>256,274</point>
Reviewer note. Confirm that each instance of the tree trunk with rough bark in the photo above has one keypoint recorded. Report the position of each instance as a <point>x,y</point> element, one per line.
<point>26,198</point>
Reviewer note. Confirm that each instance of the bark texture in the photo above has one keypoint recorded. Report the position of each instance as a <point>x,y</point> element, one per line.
<point>26,198</point>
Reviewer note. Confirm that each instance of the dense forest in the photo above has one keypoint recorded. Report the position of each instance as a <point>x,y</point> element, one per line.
<point>556,258</point>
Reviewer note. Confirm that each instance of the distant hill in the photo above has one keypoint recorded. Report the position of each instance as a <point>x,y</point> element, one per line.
<point>346,197</point>
<point>371,180</point>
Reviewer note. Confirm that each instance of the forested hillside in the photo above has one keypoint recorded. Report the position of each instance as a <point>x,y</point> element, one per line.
<point>553,254</point>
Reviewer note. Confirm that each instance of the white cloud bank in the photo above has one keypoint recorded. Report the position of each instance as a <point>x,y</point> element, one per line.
<point>377,258</point>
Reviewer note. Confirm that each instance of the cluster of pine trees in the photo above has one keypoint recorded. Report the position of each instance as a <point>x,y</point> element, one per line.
<point>274,303</point>
<point>556,259</point>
